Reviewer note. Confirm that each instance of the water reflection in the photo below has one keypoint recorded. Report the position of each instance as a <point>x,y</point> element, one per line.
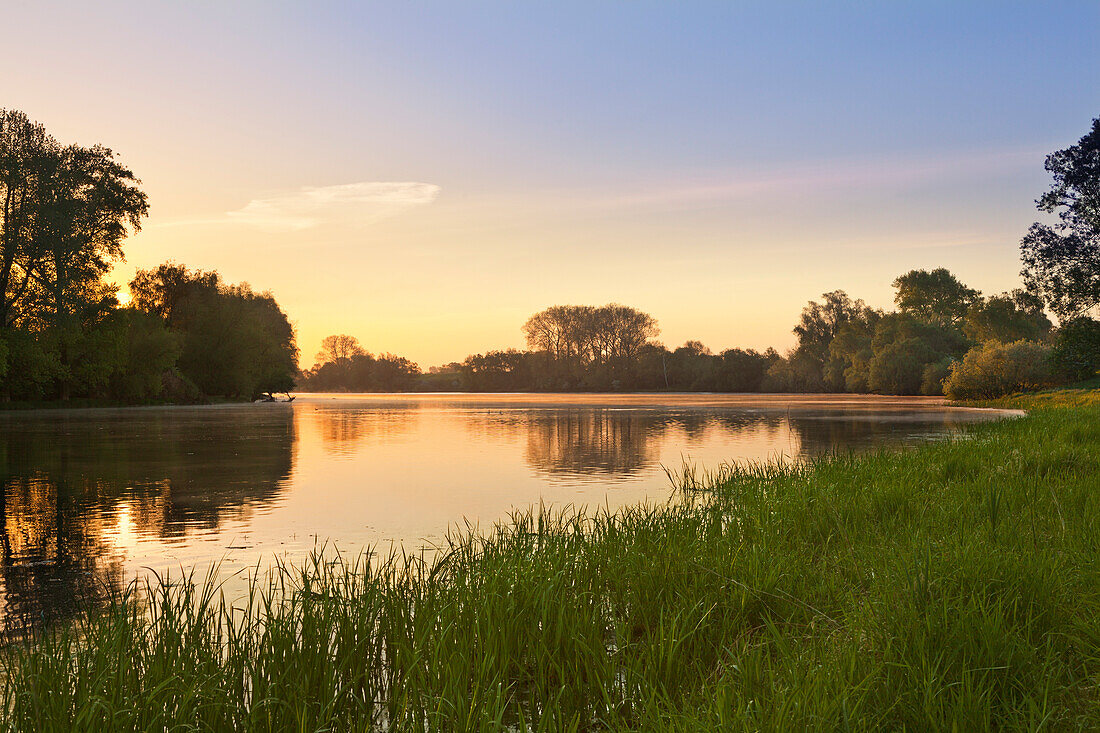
<point>90,498</point>
<point>79,486</point>
<point>344,430</point>
<point>594,442</point>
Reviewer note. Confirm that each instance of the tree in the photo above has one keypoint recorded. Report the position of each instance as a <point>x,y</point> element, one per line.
<point>145,351</point>
<point>497,371</point>
<point>32,365</point>
<point>233,341</point>
<point>903,348</point>
<point>1062,262</point>
<point>743,371</point>
<point>1076,352</point>
<point>693,367</point>
<point>395,373</point>
<point>935,296</point>
<point>25,154</point>
<point>1075,193</point>
<point>66,210</point>
<point>339,350</point>
<point>796,373</point>
<point>163,290</point>
<point>1007,318</point>
<point>818,325</point>
<point>587,346</point>
<point>820,322</point>
<point>850,354</point>
<point>1063,268</point>
<point>899,367</point>
<point>91,205</point>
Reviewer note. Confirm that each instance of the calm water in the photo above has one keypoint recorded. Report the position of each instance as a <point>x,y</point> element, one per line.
<point>95,497</point>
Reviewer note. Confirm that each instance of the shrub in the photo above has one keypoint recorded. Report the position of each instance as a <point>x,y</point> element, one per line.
<point>1076,353</point>
<point>934,376</point>
<point>995,369</point>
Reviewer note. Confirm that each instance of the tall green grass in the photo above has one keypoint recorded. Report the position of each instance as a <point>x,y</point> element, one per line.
<point>955,586</point>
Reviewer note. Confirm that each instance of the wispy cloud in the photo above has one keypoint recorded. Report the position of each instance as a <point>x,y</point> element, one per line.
<point>354,204</point>
<point>825,176</point>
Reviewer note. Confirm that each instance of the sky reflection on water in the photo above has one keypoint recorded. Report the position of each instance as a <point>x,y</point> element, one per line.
<point>92,498</point>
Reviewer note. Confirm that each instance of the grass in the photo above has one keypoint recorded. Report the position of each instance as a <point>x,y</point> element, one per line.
<point>955,586</point>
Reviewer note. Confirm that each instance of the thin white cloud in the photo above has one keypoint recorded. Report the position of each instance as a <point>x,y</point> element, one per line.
<point>351,204</point>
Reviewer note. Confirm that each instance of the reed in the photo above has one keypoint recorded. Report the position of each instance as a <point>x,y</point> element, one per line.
<point>950,586</point>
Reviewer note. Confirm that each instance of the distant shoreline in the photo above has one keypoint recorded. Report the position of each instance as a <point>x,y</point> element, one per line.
<point>84,403</point>
<point>583,397</point>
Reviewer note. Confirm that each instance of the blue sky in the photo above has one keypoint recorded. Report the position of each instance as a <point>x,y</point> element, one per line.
<point>717,164</point>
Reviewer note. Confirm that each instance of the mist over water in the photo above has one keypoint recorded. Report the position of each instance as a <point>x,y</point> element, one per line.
<point>93,498</point>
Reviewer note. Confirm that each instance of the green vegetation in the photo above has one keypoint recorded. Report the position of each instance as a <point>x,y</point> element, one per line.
<point>1062,262</point>
<point>343,365</point>
<point>844,346</point>
<point>995,369</point>
<point>952,586</point>
<point>64,212</point>
<point>942,330</point>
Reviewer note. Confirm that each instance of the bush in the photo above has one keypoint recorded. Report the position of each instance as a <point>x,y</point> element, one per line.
<point>1076,353</point>
<point>995,369</point>
<point>934,376</point>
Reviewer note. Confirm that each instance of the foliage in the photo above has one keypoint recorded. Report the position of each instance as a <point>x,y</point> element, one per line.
<point>498,371</point>
<point>1064,268</point>
<point>848,366</point>
<point>1076,352</point>
<point>995,369</point>
<point>145,351</point>
<point>394,373</point>
<point>898,367</point>
<point>743,370</point>
<point>339,350</point>
<point>233,342</point>
<point>935,373</point>
<point>1062,262</point>
<point>942,588</point>
<point>797,372</point>
<point>820,323</point>
<point>903,348</point>
<point>32,365</point>
<point>344,366</point>
<point>935,297</point>
<point>25,152</point>
<point>588,346</point>
<point>66,211</point>
<point>1006,318</point>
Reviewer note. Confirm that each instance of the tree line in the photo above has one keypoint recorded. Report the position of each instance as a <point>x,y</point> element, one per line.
<point>942,337</point>
<point>342,365</point>
<point>186,335</point>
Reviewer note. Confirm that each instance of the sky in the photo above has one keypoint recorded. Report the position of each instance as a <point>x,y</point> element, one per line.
<point>426,175</point>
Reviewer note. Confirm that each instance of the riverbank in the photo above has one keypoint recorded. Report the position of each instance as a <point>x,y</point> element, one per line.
<point>951,585</point>
<point>91,403</point>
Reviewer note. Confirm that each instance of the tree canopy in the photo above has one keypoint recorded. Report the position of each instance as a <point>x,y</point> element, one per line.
<point>935,296</point>
<point>66,211</point>
<point>1062,261</point>
<point>234,342</point>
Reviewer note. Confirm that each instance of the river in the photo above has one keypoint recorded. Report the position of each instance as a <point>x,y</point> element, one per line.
<point>93,498</point>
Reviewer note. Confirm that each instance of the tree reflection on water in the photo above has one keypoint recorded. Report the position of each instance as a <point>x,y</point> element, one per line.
<point>77,483</point>
<point>89,497</point>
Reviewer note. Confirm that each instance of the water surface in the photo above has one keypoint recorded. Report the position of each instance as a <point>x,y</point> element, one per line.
<point>92,498</point>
